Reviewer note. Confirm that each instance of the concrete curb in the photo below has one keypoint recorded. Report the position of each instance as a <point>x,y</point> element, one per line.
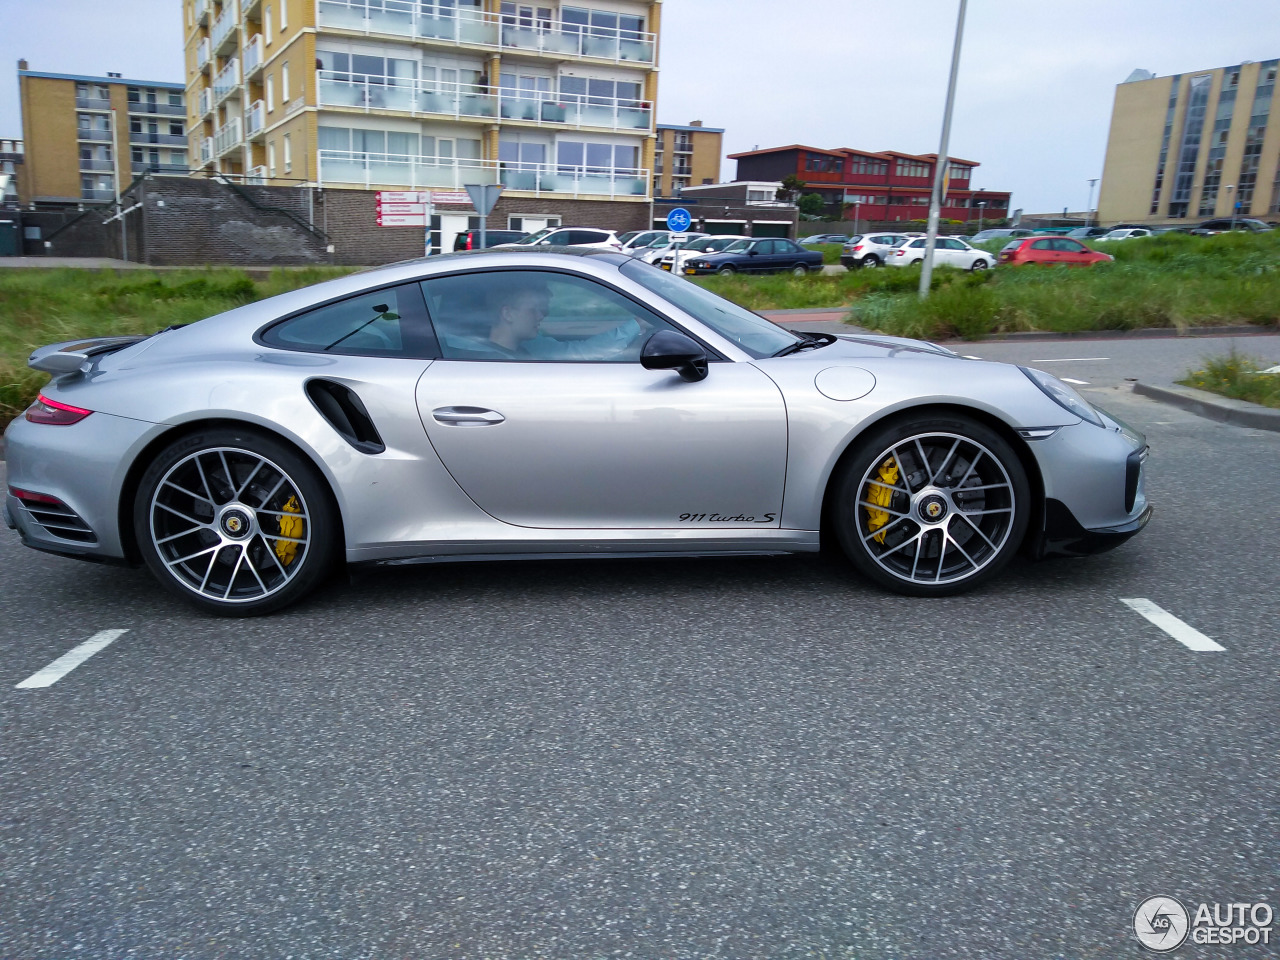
<point>1213,407</point>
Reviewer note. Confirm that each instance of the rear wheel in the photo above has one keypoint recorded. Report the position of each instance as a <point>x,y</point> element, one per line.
<point>931,505</point>
<point>871,261</point>
<point>235,522</point>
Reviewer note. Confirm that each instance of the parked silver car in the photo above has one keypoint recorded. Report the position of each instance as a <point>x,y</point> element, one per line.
<point>506,404</point>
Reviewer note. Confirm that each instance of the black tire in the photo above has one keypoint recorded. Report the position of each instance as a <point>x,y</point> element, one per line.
<point>909,549</point>
<point>726,271</point>
<point>979,264</point>
<point>800,270</point>
<point>871,261</point>
<point>235,522</point>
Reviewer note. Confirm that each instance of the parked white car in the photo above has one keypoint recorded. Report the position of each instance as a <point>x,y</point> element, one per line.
<point>667,256</point>
<point>592,238</point>
<point>637,240</point>
<point>1128,233</point>
<point>870,249</point>
<point>662,245</point>
<point>947,251</point>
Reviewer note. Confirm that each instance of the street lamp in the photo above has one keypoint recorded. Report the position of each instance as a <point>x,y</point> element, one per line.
<point>857,204</point>
<point>1231,189</point>
<point>1088,207</point>
<point>981,210</point>
<point>940,167</point>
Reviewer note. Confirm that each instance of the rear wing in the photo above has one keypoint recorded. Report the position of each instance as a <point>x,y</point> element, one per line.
<point>69,356</point>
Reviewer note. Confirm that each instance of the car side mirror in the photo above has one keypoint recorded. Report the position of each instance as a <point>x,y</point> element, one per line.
<point>668,350</point>
<point>752,253</point>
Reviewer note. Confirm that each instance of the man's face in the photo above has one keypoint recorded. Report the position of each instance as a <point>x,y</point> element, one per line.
<point>525,312</point>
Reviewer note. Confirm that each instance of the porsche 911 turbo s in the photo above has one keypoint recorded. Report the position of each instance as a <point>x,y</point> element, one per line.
<point>548,404</point>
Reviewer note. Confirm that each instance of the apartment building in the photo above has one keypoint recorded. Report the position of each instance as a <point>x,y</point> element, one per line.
<point>878,187</point>
<point>555,101</point>
<point>86,136</point>
<point>12,155</point>
<point>685,156</point>
<point>1193,146</point>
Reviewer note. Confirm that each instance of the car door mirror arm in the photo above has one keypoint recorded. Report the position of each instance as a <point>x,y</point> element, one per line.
<point>669,350</point>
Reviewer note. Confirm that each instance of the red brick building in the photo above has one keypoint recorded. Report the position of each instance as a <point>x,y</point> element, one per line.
<point>884,186</point>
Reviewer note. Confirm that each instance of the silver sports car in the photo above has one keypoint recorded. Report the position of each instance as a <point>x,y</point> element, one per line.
<point>529,404</point>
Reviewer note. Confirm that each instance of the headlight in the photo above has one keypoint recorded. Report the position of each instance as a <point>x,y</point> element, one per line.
<point>1063,395</point>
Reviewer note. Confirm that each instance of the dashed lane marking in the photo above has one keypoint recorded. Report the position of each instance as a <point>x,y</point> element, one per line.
<point>1184,633</point>
<point>1069,359</point>
<point>1083,383</point>
<point>55,671</point>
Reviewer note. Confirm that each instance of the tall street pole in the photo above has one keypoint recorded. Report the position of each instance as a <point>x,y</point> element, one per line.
<point>1088,207</point>
<point>940,169</point>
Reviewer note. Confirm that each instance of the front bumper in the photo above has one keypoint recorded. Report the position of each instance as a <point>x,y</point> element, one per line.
<point>1063,536</point>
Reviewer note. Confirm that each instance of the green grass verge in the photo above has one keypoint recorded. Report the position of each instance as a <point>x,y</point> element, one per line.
<point>1238,377</point>
<point>41,306</point>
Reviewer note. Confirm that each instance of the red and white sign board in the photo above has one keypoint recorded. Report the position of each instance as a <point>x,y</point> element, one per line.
<point>401,196</point>
<point>402,220</point>
<point>451,196</point>
<point>417,209</point>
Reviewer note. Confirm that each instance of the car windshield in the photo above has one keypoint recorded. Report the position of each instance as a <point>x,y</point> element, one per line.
<point>624,237</point>
<point>719,243</point>
<point>706,243</point>
<point>752,332</point>
<point>738,246</point>
<point>535,237</point>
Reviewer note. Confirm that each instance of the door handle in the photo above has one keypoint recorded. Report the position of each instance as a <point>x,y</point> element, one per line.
<point>467,416</point>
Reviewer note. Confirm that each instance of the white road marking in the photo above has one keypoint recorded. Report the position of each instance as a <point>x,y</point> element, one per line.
<point>1069,359</point>
<point>1070,380</point>
<point>969,357</point>
<point>1187,635</point>
<point>55,671</point>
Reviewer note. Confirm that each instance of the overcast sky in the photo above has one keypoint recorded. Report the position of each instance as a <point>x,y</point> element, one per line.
<point>1033,103</point>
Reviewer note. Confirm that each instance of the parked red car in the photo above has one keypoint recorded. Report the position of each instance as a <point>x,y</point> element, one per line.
<point>1050,250</point>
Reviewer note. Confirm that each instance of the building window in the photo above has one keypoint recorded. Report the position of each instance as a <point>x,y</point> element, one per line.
<point>266,21</point>
<point>133,95</point>
<point>284,81</point>
<point>271,93</point>
<point>175,128</point>
<point>284,13</point>
<point>288,154</point>
<point>1192,131</point>
<point>175,98</point>
<point>271,158</point>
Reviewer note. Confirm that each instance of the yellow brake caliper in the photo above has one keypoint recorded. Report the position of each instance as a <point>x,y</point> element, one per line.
<point>290,526</point>
<point>881,494</point>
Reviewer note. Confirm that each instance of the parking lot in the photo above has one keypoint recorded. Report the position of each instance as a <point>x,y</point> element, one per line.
<point>721,758</point>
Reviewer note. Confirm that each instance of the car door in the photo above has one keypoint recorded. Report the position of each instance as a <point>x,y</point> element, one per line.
<point>1043,252</point>
<point>1071,251</point>
<point>575,432</point>
<point>757,256</point>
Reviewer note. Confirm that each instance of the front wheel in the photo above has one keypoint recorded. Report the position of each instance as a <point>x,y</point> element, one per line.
<point>979,265</point>
<point>931,505</point>
<point>726,271</point>
<point>799,270</point>
<point>235,522</point>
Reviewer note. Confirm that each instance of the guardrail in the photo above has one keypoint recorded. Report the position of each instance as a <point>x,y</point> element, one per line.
<point>227,137</point>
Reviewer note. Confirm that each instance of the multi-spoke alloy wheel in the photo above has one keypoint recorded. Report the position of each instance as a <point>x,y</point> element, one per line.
<point>234,521</point>
<point>932,506</point>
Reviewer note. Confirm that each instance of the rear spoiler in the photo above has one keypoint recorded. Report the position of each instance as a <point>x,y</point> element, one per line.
<point>69,356</point>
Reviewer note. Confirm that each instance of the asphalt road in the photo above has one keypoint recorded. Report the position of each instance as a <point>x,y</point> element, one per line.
<point>676,759</point>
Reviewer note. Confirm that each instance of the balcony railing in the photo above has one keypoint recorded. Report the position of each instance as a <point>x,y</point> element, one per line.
<point>86,134</point>
<point>223,32</point>
<point>467,100</point>
<point>406,18</point>
<point>206,101</point>
<point>254,54</point>
<point>164,169</point>
<point>256,118</point>
<point>204,51</point>
<point>227,137</point>
<point>369,169</point>
<point>227,81</point>
<point>93,103</point>
<point>206,150</point>
<point>256,175</point>
<point>97,194</point>
<point>99,165</point>
<point>158,109</point>
<point>165,139</point>
<point>203,10</point>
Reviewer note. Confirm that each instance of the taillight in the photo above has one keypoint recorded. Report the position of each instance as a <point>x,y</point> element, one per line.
<point>858,247</point>
<point>901,253</point>
<point>28,496</point>
<point>468,246</point>
<point>54,413</point>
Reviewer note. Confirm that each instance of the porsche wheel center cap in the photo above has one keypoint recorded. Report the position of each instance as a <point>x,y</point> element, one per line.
<point>932,509</point>
<point>236,523</point>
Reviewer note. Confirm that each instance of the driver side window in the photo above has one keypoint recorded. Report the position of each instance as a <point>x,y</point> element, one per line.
<point>536,316</point>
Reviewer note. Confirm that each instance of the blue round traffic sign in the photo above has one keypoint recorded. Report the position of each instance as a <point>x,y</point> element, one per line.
<point>679,220</point>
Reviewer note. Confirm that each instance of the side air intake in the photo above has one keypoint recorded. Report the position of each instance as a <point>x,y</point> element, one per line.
<point>340,405</point>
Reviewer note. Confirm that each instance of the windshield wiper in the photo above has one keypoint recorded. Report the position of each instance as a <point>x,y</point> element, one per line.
<point>811,341</point>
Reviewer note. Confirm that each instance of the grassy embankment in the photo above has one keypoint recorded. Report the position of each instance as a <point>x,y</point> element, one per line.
<point>45,306</point>
<point>1238,377</point>
<point>1173,280</point>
